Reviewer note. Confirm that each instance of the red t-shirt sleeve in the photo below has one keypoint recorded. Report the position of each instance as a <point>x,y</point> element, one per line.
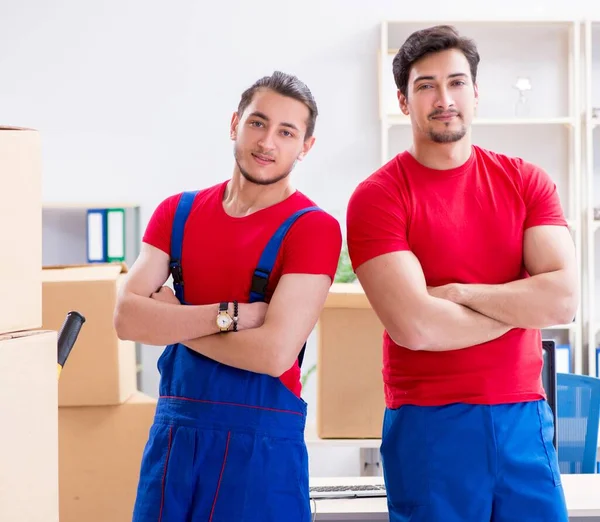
<point>541,198</point>
<point>312,245</point>
<point>376,223</point>
<point>158,230</point>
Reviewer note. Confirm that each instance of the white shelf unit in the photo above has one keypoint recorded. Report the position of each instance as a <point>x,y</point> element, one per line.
<point>549,134</point>
<point>591,192</point>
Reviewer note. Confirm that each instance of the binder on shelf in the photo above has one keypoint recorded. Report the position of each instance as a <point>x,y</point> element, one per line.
<point>115,226</point>
<point>598,361</point>
<point>96,235</point>
<point>105,235</point>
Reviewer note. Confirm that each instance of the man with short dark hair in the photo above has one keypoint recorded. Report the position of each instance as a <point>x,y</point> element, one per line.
<point>227,442</point>
<point>465,255</point>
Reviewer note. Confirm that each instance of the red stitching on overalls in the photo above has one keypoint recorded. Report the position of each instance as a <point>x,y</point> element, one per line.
<point>164,478</point>
<point>220,477</point>
<point>231,404</point>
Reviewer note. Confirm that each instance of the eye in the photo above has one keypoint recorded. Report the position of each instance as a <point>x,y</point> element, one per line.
<point>423,86</point>
<point>287,134</point>
<point>255,123</point>
<point>460,83</point>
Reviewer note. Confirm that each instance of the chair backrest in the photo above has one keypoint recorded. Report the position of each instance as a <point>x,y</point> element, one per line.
<point>578,409</point>
<point>549,377</point>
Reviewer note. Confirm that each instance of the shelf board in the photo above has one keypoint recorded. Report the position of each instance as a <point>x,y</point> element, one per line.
<point>395,119</point>
<point>85,205</point>
<point>510,22</point>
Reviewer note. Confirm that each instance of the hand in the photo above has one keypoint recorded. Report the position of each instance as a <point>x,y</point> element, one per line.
<point>450,292</point>
<point>166,295</point>
<point>251,315</point>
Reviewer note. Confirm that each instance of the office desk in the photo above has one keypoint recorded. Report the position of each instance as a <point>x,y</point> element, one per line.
<point>581,491</point>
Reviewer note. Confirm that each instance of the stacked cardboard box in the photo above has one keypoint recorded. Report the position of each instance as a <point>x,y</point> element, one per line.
<point>350,398</point>
<point>75,447</point>
<point>103,420</point>
<point>20,229</point>
<point>28,356</point>
<point>100,454</point>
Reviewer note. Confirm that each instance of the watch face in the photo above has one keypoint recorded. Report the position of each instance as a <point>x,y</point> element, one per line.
<point>223,321</point>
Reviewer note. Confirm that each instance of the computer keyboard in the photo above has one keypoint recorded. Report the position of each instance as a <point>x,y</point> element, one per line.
<point>347,491</point>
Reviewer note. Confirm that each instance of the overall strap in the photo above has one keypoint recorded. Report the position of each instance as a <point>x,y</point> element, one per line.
<point>181,215</point>
<point>260,279</point>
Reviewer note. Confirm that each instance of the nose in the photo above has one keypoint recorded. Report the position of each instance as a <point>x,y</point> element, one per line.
<point>444,99</point>
<point>267,140</point>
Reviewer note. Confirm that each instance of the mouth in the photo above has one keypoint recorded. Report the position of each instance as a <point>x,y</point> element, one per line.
<point>445,117</point>
<point>261,159</point>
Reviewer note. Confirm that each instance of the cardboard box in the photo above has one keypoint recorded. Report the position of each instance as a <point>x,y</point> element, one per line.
<point>101,369</point>
<point>350,397</point>
<point>20,230</point>
<point>100,452</point>
<point>29,427</point>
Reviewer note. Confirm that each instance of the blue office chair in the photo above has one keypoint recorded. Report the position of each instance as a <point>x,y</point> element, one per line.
<point>578,420</point>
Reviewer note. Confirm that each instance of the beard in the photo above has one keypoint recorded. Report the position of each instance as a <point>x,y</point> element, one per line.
<point>447,136</point>
<point>257,181</point>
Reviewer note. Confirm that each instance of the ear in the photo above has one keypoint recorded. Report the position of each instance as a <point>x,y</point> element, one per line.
<point>403,102</point>
<point>235,120</point>
<point>308,144</point>
<point>476,90</point>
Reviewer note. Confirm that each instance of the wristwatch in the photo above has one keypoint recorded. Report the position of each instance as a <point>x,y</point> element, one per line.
<point>224,320</point>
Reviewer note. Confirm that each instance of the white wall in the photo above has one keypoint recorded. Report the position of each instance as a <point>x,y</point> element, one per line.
<point>133,97</point>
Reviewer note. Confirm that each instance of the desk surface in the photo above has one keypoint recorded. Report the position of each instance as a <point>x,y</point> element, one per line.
<point>582,493</point>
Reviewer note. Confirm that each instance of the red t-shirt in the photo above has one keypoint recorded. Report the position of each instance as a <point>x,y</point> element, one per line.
<point>464,225</point>
<point>220,252</point>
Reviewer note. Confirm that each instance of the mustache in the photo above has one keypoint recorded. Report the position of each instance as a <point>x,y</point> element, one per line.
<point>441,112</point>
<point>264,154</point>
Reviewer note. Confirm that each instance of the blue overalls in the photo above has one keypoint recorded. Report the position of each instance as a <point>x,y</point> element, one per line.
<point>226,445</point>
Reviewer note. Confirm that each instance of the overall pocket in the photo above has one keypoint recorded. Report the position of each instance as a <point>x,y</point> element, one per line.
<point>546,419</point>
<point>405,457</point>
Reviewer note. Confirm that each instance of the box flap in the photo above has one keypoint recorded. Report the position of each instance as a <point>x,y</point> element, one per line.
<point>140,398</point>
<point>89,272</point>
<point>24,333</point>
<point>123,266</point>
<point>9,128</point>
<point>346,288</point>
<point>347,295</point>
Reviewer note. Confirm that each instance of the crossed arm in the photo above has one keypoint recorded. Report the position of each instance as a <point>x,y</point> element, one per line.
<point>273,347</point>
<point>141,318</point>
<point>270,338</point>
<point>459,316</point>
<point>547,298</point>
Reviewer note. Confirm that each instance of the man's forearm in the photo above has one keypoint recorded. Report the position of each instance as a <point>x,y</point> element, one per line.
<point>539,301</point>
<point>256,350</point>
<point>153,322</point>
<point>443,325</point>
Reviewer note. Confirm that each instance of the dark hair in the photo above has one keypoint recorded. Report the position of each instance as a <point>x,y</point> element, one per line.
<point>431,40</point>
<point>286,85</point>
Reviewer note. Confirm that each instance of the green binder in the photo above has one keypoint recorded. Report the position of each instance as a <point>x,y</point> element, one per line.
<point>115,232</point>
